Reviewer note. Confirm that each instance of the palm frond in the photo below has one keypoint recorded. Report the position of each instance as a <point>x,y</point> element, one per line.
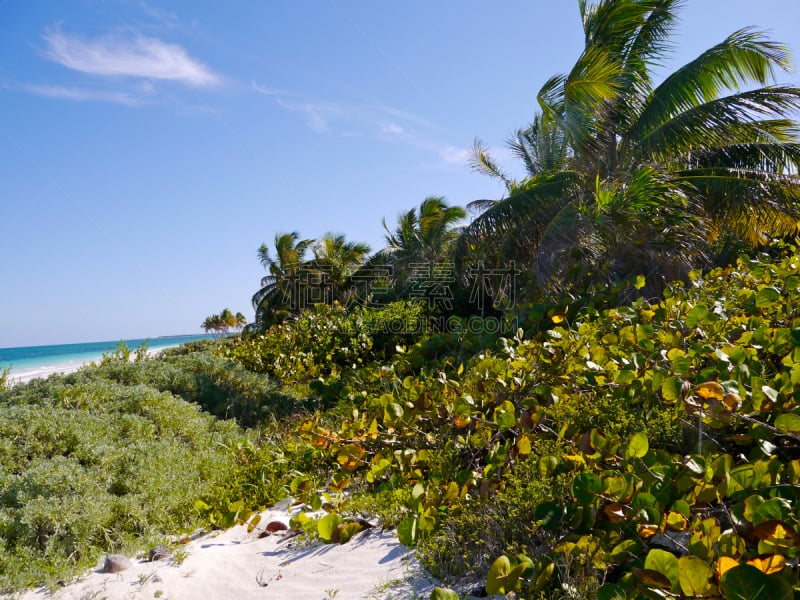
<point>563,243</point>
<point>650,44</point>
<point>736,119</point>
<point>551,98</point>
<point>745,57</point>
<point>481,161</point>
<point>752,203</point>
<point>540,146</point>
<point>646,46</point>
<point>777,158</point>
<point>590,90</point>
<point>479,206</point>
<point>517,220</point>
<point>637,30</point>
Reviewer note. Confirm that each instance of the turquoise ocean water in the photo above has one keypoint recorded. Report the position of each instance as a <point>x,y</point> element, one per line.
<point>29,362</point>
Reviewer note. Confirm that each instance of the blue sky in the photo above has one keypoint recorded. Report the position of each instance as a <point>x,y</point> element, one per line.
<point>147,148</point>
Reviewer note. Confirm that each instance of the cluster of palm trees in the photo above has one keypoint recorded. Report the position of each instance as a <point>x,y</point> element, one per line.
<point>343,271</point>
<point>625,175</point>
<point>224,322</point>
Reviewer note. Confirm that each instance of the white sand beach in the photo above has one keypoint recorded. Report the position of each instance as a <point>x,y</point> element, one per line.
<point>244,566</point>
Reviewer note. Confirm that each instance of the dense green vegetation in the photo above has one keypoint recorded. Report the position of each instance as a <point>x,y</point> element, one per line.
<point>575,458</point>
<point>112,458</point>
<point>615,414</point>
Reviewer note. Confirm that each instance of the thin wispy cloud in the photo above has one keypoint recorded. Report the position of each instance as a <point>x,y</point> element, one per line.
<point>384,123</point>
<point>390,129</point>
<point>404,116</point>
<point>318,115</point>
<point>162,16</point>
<point>333,117</point>
<point>137,57</point>
<point>80,94</point>
<point>455,156</point>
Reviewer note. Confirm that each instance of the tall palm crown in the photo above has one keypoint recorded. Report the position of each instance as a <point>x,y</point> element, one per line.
<point>278,294</point>
<point>423,236</point>
<point>335,261</point>
<point>642,178</point>
<point>426,235</point>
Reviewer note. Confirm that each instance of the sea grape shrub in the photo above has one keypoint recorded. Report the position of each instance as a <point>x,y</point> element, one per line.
<point>685,407</point>
<point>475,533</point>
<point>722,520</point>
<point>324,341</point>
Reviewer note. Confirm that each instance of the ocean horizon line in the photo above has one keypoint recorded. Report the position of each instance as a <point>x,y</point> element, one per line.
<point>27,362</point>
<point>109,341</point>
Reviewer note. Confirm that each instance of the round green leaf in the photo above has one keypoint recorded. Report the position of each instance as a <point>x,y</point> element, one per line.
<point>767,297</point>
<point>547,465</point>
<point>327,525</point>
<point>671,389</point>
<point>504,415</point>
<point>524,566</point>
<point>440,593</point>
<point>745,582</point>
<point>349,530</point>
<point>776,509</point>
<point>407,531</point>
<point>611,591</point>
<point>696,315</point>
<point>695,576</point>
<point>545,567</point>
<point>497,582</point>
<point>392,413</point>
<point>665,563</point>
<point>626,551</point>
<point>637,446</point>
<point>788,423</point>
<point>586,486</point>
<point>617,487</point>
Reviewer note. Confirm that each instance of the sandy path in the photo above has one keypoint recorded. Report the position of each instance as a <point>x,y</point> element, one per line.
<point>242,566</point>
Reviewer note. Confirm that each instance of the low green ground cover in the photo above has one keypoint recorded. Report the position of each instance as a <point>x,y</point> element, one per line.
<point>107,460</point>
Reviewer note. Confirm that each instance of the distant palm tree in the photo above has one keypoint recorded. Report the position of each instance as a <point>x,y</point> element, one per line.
<point>223,322</point>
<point>335,261</point>
<point>628,177</point>
<point>279,294</point>
<point>228,319</point>
<point>213,324</point>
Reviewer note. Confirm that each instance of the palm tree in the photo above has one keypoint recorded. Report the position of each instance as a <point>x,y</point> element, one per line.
<point>214,324</point>
<point>335,261</point>
<point>541,146</point>
<point>279,294</point>
<point>426,235</point>
<point>223,322</point>
<point>421,237</point>
<point>227,319</point>
<point>626,177</point>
